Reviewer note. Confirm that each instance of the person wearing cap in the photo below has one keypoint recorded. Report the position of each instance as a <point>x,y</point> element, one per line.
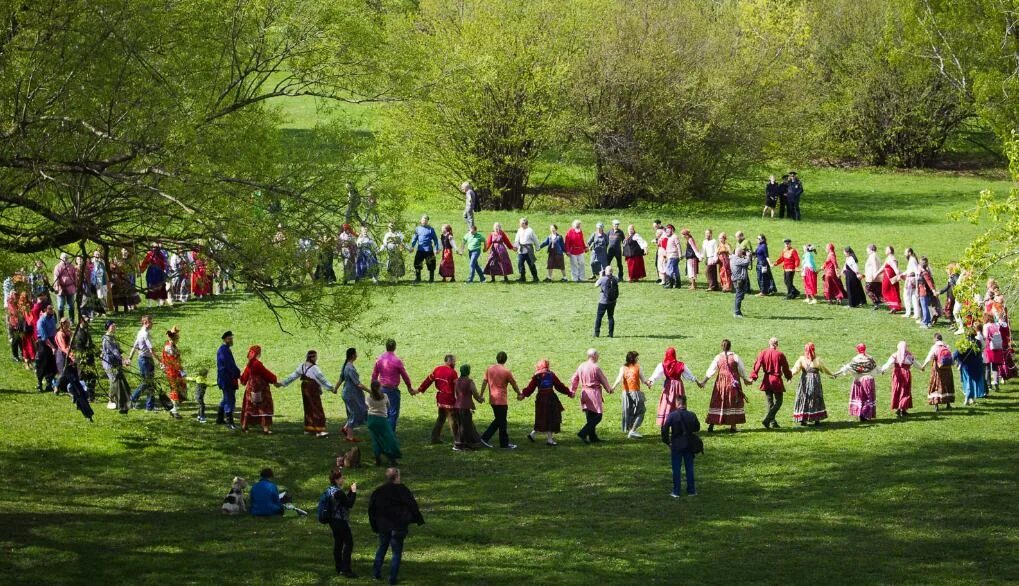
<point>794,191</point>
<point>789,260</point>
<point>773,364</point>
<point>598,245</point>
<point>615,247</point>
<point>527,243</point>
<point>426,241</point>
<point>65,283</point>
<point>470,203</point>
<point>312,383</point>
<point>575,248</point>
<point>174,370</point>
<point>227,375</point>
<point>783,198</point>
<point>590,380</point>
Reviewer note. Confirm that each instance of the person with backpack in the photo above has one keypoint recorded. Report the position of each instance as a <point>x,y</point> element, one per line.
<point>941,389</point>
<point>609,286</point>
<point>391,509</point>
<point>334,510</point>
<point>680,434</point>
<point>994,352</point>
<point>472,205</point>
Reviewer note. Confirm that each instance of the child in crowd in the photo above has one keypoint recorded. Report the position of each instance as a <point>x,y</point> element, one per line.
<point>201,383</point>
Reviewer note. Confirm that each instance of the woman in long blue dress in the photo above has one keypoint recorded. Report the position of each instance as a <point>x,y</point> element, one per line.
<point>971,371</point>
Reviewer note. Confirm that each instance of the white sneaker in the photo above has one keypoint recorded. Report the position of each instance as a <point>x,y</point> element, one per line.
<point>511,447</point>
<point>322,434</point>
<point>486,444</point>
<point>111,405</point>
<point>634,435</point>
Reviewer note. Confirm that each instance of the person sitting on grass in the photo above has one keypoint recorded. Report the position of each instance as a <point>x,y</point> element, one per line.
<point>265,499</point>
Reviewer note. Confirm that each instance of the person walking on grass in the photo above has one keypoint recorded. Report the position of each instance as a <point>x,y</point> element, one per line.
<point>680,434</point>
<point>527,245</point>
<point>900,364</point>
<point>789,260</point>
<point>391,509</point>
<point>941,388</point>
<point>576,246</point>
<point>590,379</point>
<point>634,401</point>
<point>338,505</point>
<point>556,253</point>
<point>388,372</point>
<point>498,246</point>
<point>380,428</point>
<point>739,267</point>
<point>548,410</point>
<point>312,383</point>
<point>497,380</point>
<point>353,396</point>
<point>444,378</point>
<point>46,350</point>
<point>615,247</point>
<point>258,406</point>
<point>793,194</point>
<point>471,206</point>
<point>227,375</point>
<point>809,403</point>
<point>774,366</point>
<point>863,393</point>
<point>598,244</point>
<point>608,284</point>
<point>473,243</point>
<point>465,434</point>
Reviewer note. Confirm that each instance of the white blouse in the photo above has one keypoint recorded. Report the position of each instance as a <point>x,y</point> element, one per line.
<point>741,369</point>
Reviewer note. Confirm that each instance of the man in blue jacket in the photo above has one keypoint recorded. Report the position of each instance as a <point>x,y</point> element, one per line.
<point>679,433</point>
<point>426,241</point>
<point>227,374</point>
<point>264,499</point>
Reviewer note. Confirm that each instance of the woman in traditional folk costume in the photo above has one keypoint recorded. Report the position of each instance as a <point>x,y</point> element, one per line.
<point>890,283</point>
<point>347,245</point>
<point>809,405</point>
<point>724,269</point>
<point>174,370</point>
<point>994,351</point>
<point>672,371</point>
<point>30,338</point>
<point>448,245</point>
<point>498,246</point>
<point>631,375</point>
<point>367,263</point>
<point>257,407</point>
<point>155,265</point>
<point>941,388</point>
<point>201,281</point>
<point>383,437</point>
<point>854,285</point>
<point>634,249</point>
<point>556,245</point>
<point>834,292</point>
<point>394,246</point>
<point>548,410</point>
<point>465,433</point>
<point>900,364</point>
<point>312,383</point>
<point>810,274</point>
<point>353,396</point>
<point>863,394</point>
<point>971,371</point>
<point>693,257</point>
<point>728,401</point>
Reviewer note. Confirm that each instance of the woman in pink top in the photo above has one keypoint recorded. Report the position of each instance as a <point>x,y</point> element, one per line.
<point>497,379</point>
<point>591,381</point>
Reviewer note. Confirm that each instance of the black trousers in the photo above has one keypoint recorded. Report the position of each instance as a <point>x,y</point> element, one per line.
<point>498,424</point>
<point>589,430</point>
<point>782,202</point>
<point>616,253</point>
<point>742,288</point>
<point>794,209</point>
<point>791,292</point>
<point>343,544</point>
<point>426,257</point>
<point>524,261</point>
<point>603,308</point>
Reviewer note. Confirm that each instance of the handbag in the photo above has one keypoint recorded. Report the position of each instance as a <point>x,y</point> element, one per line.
<point>694,444</point>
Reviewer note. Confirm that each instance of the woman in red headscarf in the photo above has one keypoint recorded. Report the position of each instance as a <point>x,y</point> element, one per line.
<point>548,411</point>
<point>890,284</point>
<point>809,405</point>
<point>863,393</point>
<point>727,397</point>
<point>833,289</point>
<point>673,371</point>
<point>902,379</point>
<point>257,406</point>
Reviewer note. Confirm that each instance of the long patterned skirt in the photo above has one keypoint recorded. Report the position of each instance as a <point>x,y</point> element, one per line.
<point>499,263</point>
<point>357,409</point>
<point>446,268</point>
<point>667,401</point>
<point>941,388</point>
<point>833,289</point>
<point>314,414</point>
<point>548,411</point>
<point>727,404</point>
<point>809,405</point>
<point>367,264</point>
<point>394,264</point>
<point>257,407</point>
<point>863,398</point>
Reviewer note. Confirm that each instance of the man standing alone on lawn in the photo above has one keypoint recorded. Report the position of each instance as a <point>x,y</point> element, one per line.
<point>609,286</point>
<point>774,365</point>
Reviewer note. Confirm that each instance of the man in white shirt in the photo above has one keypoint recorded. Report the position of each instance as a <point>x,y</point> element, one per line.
<point>146,364</point>
<point>526,242</point>
<point>872,276</point>
<point>709,248</point>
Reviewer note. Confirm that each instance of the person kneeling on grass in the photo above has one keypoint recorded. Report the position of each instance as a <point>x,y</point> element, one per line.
<point>336,512</point>
<point>391,510</point>
<point>680,434</point>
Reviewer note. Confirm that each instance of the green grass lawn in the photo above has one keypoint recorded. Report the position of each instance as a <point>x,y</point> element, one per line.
<point>135,499</point>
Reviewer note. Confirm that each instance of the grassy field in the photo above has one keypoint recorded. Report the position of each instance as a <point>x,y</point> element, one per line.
<point>135,499</point>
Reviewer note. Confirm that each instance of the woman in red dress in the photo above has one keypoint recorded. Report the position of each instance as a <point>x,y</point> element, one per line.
<point>258,405</point>
<point>448,245</point>
<point>833,289</point>
<point>902,379</point>
<point>724,269</point>
<point>634,249</point>
<point>890,284</point>
<point>174,370</point>
<point>201,284</point>
<point>30,313</point>
<point>727,406</point>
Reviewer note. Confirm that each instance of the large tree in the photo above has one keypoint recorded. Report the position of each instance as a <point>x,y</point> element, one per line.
<point>132,121</point>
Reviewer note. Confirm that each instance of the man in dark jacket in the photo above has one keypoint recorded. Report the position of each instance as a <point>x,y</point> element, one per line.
<point>227,374</point>
<point>391,509</point>
<point>678,433</point>
<point>794,191</point>
<point>783,199</point>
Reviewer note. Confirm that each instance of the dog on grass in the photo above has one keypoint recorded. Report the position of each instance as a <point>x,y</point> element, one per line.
<point>233,504</point>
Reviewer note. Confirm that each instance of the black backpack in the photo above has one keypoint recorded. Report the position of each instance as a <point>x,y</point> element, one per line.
<point>475,201</point>
<point>612,289</point>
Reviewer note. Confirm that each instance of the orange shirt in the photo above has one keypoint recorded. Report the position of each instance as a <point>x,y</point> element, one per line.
<point>498,378</point>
